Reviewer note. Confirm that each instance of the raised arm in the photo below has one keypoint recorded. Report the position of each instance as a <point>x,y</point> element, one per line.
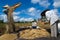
<point>16,5</point>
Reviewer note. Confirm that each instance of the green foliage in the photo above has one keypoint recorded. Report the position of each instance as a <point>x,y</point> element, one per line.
<point>2,28</point>
<point>34,20</point>
<point>2,24</point>
<point>1,21</point>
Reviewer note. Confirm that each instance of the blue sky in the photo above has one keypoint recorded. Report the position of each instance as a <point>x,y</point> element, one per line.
<point>29,9</point>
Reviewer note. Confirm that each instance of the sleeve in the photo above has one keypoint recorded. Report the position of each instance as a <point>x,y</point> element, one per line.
<point>48,15</point>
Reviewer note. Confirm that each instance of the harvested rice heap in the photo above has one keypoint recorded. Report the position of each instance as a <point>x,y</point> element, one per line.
<point>27,34</point>
<point>34,33</point>
<point>8,37</point>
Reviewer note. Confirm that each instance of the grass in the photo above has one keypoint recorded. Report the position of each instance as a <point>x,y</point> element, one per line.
<point>22,24</point>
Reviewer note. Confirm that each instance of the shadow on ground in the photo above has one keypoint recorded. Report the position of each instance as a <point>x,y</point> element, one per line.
<point>52,38</point>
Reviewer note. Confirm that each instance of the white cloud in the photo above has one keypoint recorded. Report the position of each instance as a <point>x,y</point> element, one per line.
<point>3,17</point>
<point>56,4</point>
<point>33,11</point>
<point>16,13</point>
<point>35,1</point>
<point>21,19</point>
<point>43,3</point>
<point>16,18</point>
<point>26,19</point>
<point>56,0</point>
<point>30,19</point>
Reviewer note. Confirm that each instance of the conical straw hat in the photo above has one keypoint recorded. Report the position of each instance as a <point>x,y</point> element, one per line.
<point>6,6</point>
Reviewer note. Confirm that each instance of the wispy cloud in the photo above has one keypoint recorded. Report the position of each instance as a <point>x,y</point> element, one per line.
<point>31,9</point>
<point>43,3</point>
<point>26,19</point>
<point>3,17</point>
<point>15,17</point>
<point>34,12</point>
<point>35,1</point>
<point>16,13</point>
<point>56,3</point>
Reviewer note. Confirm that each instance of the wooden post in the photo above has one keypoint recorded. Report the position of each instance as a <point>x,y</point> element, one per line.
<point>9,10</point>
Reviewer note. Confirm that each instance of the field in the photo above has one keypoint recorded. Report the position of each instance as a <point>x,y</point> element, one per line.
<point>25,25</point>
<point>28,33</point>
<point>44,25</point>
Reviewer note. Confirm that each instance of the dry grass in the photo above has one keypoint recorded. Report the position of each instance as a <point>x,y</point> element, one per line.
<point>44,25</point>
<point>39,23</point>
<point>23,24</point>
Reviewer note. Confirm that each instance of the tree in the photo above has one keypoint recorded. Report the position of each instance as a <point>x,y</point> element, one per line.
<point>34,20</point>
<point>1,21</point>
